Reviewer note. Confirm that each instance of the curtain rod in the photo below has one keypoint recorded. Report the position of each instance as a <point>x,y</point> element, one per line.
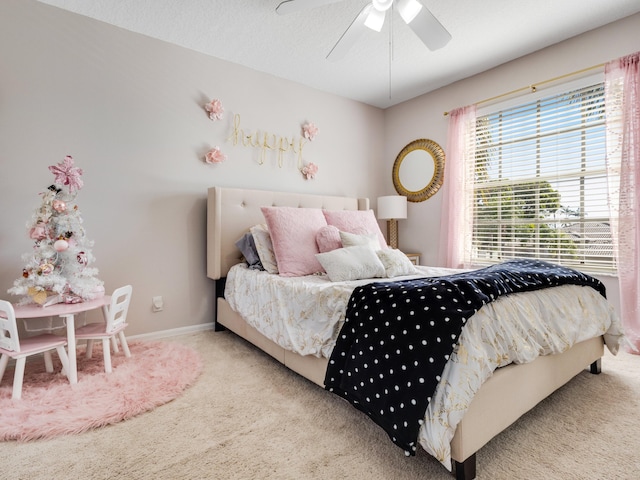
<point>534,86</point>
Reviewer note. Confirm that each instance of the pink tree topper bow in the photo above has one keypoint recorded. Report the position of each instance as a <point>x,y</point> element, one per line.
<point>67,174</point>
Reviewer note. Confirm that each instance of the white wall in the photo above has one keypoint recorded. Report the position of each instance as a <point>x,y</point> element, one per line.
<point>129,109</point>
<point>424,117</point>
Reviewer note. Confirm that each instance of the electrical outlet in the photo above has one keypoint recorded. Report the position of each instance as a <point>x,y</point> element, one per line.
<point>157,304</point>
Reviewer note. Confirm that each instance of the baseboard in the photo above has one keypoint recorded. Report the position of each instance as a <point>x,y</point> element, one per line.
<point>174,332</point>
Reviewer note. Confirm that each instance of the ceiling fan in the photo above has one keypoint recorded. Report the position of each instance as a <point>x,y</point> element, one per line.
<point>413,12</point>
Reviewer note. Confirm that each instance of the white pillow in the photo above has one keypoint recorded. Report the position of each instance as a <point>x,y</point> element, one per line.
<point>262,239</point>
<point>395,263</point>
<point>351,263</point>
<point>353,240</point>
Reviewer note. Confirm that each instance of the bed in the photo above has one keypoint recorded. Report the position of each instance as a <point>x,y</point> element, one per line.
<point>505,395</point>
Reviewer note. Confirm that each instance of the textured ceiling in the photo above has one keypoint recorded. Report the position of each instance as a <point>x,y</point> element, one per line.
<point>384,68</point>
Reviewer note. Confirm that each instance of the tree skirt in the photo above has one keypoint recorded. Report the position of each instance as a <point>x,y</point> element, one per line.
<point>156,373</point>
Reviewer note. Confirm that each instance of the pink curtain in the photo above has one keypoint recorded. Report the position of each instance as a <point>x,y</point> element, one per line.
<point>622,99</point>
<point>456,221</point>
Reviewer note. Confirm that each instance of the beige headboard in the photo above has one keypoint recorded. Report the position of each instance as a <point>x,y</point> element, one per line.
<point>232,211</point>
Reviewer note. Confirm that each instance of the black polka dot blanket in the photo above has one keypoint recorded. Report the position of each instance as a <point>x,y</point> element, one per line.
<point>398,336</point>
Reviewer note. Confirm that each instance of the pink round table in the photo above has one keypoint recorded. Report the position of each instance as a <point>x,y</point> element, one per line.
<point>66,311</point>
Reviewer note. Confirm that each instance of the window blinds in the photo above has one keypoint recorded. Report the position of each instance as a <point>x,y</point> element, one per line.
<point>540,183</point>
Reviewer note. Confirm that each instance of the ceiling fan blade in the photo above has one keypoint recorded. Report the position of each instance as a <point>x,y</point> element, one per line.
<point>291,6</point>
<point>429,29</point>
<point>350,36</point>
<point>375,19</point>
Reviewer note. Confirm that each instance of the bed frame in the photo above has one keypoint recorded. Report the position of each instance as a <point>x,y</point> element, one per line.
<point>508,394</point>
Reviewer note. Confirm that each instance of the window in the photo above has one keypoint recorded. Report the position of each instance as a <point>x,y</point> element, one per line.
<point>540,183</point>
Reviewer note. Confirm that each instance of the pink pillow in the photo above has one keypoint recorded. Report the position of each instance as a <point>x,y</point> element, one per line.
<point>328,238</point>
<point>355,221</point>
<point>293,234</point>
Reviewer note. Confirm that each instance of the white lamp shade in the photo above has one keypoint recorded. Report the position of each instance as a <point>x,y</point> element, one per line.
<point>392,207</point>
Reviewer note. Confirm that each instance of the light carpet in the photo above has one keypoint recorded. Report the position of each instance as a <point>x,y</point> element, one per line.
<point>248,417</point>
<point>156,373</point>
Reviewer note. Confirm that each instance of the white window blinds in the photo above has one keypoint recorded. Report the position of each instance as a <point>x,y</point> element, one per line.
<point>540,183</point>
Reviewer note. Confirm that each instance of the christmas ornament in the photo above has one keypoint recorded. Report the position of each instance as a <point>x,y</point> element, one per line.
<point>59,206</point>
<point>82,258</point>
<point>39,232</point>
<point>46,268</point>
<point>61,245</point>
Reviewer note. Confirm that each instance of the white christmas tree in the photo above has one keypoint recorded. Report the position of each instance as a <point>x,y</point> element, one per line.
<point>58,269</point>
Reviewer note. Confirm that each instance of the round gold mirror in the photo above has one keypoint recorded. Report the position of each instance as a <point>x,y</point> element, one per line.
<point>418,171</point>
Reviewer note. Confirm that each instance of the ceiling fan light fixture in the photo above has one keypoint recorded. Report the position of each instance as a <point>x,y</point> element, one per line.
<point>375,19</point>
<point>382,5</point>
<point>409,9</point>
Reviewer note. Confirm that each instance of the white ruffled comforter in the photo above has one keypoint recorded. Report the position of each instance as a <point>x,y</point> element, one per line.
<point>305,314</point>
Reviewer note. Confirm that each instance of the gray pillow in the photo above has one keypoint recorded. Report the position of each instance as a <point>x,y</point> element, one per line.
<point>247,246</point>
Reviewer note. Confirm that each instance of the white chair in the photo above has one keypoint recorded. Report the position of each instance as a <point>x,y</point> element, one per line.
<point>12,347</point>
<point>111,329</point>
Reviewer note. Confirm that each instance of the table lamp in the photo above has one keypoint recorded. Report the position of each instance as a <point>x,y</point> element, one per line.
<point>392,208</point>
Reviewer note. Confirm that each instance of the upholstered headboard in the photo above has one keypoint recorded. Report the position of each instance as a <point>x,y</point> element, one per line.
<point>232,211</point>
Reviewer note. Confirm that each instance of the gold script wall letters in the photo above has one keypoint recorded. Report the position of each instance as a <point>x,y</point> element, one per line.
<point>266,141</point>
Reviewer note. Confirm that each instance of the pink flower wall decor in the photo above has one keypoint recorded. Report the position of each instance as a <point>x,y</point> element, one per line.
<point>310,131</point>
<point>215,156</point>
<point>215,109</point>
<point>309,170</point>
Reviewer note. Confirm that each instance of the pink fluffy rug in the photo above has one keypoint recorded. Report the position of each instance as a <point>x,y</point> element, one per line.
<point>156,373</point>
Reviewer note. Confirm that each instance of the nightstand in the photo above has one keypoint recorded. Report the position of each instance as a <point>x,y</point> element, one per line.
<point>414,257</point>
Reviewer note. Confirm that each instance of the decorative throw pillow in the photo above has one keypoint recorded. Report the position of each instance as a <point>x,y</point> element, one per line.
<point>328,238</point>
<point>351,263</point>
<point>247,246</point>
<point>353,239</point>
<point>293,234</point>
<point>395,263</point>
<point>355,221</point>
<point>264,247</point>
